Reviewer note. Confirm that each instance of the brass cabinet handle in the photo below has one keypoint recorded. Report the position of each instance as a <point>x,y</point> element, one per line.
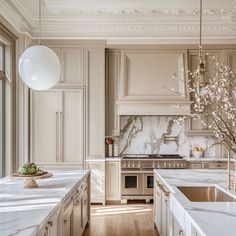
<point>180,232</point>
<point>57,138</point>
<point>50,223</point>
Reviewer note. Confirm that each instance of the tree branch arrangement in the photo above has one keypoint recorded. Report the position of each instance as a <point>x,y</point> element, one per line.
<point>214,100</point>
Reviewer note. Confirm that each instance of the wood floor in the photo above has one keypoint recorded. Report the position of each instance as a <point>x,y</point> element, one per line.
<point>121,220</point>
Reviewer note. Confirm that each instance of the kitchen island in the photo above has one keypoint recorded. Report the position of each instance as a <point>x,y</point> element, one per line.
<point>59,206</point>
<point>176,214</point>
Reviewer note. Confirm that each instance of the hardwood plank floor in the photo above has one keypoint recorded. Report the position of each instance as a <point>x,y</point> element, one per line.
<point>121,220</point>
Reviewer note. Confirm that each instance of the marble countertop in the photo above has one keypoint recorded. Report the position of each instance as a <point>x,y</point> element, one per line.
<point>209,218</point>
<point>23,211</point>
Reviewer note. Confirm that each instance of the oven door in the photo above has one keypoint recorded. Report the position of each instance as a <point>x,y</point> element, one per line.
<point>148,183</point>
<point>132,183</point>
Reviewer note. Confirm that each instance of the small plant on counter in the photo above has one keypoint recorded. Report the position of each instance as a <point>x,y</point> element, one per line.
<point>29,168</point>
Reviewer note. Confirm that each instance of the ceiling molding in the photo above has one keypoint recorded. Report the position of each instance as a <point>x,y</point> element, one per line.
<point>62,20</point>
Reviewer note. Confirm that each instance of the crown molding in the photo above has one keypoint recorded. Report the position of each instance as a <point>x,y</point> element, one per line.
<point>62,21</point>
<point>12,14</point>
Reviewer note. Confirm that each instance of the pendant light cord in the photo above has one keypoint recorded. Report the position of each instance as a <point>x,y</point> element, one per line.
<point>200,32</point>
<point>40,31</point>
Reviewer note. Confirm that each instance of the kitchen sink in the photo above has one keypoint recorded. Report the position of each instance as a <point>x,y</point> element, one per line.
<point>205,194</point>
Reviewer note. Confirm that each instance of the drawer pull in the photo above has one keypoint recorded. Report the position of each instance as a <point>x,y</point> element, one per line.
<point>50,223</point>
<point>180,232</point>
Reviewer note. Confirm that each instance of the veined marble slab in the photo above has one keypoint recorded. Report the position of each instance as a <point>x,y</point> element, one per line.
<point>25,211</point>
<point>145,135</point>
<point>209,218</point>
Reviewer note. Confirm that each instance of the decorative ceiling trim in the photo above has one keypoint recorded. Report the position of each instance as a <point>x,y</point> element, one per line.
<point>74,22</point>
<point>135,11</point>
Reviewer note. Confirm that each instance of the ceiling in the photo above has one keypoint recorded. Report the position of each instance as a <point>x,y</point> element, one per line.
<point>161,21</point>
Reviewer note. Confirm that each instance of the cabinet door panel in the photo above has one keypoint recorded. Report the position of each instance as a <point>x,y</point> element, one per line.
<point>95,133</point>
<point>73,128</point>
<point>45,126</point>
<point>112,81</point>
<point>195,126</point>
<point>72,65</point>
<point>112,181</point>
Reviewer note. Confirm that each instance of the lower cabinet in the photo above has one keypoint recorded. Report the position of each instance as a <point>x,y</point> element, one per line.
<point>177,230</point>
<point>72,218</point>
<point>113,181</point>
<point>162,214</point>
<point>67,218</point>
<point>77,213</point>
<point>52,226</point>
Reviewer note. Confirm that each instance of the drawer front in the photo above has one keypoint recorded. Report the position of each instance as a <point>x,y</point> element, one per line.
<point>194,165</point>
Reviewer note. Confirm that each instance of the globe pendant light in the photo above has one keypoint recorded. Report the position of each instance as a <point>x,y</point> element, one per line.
<point>39,66</point>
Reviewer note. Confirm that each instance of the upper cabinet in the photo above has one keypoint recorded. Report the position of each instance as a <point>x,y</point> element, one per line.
<point>231,59</point>
<point>112,84</point>
<point>195,126</point>
<point>72,66</point>
<point>57,126</point>
<point>95,103</point>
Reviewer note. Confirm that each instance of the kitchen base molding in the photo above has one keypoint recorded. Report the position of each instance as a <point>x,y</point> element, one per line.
<point>125,199</point>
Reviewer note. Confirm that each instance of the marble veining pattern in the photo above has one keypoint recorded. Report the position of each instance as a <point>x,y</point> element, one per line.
<point>24,211</point>
<point>209,218</point>
<point>145,135</point>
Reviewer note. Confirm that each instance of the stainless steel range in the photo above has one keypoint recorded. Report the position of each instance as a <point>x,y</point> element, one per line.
<point>137,173</point>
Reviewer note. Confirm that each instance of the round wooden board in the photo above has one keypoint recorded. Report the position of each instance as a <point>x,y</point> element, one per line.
<point>35,176</point>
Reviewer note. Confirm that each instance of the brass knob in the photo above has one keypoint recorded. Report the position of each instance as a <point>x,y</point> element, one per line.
<point>50,223</point>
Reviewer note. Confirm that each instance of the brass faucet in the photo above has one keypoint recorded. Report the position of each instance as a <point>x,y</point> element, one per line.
<point>228,163</point>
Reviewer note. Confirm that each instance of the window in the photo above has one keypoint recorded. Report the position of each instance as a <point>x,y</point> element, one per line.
<point>2,112</point>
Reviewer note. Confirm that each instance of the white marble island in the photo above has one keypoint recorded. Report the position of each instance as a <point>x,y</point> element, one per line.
<point>185,217</point>
<point>28,211</point>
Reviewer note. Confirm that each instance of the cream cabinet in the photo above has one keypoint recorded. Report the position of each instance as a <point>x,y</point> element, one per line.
<point>112,84</point>
<point>95,121</point>
<point>177,229</point>
<point>72,66</point>
<point>57,126</point>
<point>95,103</point>
<point>162,214</point>
<point>195,126</point>
<point>52,226</point>
<point>113,183</point>
<point>97,168</point>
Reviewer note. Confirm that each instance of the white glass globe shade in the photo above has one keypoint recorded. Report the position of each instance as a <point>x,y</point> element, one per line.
<point>39,67</point>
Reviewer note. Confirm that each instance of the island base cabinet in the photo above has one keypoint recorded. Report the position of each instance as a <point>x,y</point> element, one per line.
<point>67,220</point>
<point>85,210</point>
<point>52,227</point>
<point>162,214</point>
<point>177,229</point>
<point>157,207</point>
<point>77,216</point>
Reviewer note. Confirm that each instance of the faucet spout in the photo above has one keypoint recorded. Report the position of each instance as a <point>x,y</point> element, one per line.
<point>228,162</point>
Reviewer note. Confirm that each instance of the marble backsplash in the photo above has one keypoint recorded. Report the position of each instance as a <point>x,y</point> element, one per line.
<point>145,135</point>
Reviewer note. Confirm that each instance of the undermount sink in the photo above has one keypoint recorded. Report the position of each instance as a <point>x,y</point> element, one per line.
<point>205,194</point>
